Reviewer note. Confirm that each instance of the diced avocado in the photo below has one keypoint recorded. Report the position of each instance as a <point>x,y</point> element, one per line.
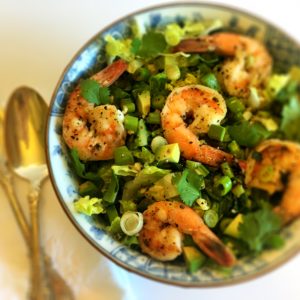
<point>232,228</point>
<point>143,103</point>
<point>168,153</point>
<point>194,259</point>
<point>88,188</point>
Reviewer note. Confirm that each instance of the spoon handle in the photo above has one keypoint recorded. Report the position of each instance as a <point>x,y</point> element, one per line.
<point>40,284</point>
<point>6,183</point>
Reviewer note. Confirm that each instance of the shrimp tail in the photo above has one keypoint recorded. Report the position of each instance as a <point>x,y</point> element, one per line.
<point>212,156</point>
<point>214,248</point>
<point>197,45</point>
<point>111,73</point>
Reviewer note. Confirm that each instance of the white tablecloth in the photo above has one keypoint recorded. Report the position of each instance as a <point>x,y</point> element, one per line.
<point>37,40</point>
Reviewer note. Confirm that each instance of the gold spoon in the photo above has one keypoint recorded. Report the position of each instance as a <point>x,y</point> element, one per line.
<point>25,123</point>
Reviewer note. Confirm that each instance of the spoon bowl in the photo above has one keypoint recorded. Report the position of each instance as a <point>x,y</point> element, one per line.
<point>25,125</point>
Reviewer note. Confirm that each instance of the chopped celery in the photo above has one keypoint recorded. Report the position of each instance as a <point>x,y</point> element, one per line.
<point>88,188</point>
<point>142,134</point>
<point>131,123</point>
<point>198,167</point>
<point>112,190</point>
<point>123,156</point>
<point>153,118</point>
<point>235,105</point>
<point>226,169</point>
<point>217,132</point>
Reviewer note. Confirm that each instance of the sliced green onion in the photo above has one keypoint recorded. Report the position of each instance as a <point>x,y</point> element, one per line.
<point>112,213</point>
<point>235,105</point>
<point>226,169</point>
<point>123,156</point>
<point>131,223</point>
<point>217,132</point>
<point>153,118</point>
<point>131,123</point>
<point>211,218</point>
<point>222,185</point>
<point>199,168</point>
<point>235,149</point>
<point>158,102</point>
<point>203,203</point>
<point>157,142</point>
<point>127,106</point>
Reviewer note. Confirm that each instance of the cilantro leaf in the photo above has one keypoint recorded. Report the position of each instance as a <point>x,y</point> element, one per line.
<point>247,134</point>
<point>258,228</point>
<point>152,44</point>
<point>104,95</point>
<point>92,91</point>
<point>188,186</point>
<point>290,123</point>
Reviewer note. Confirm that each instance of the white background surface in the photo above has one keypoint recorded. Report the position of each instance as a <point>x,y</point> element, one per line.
<point>37,40</point>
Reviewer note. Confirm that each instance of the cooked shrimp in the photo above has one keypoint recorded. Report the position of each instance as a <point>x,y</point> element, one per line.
<point>188,112</point>
<point>278,160</point>
<point>249,63</point>
<point>165,222</point>
<point>95,131</point>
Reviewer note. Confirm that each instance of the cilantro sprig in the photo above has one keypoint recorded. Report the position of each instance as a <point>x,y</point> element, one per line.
<point>260,229</point>
<point>93,92</point>
<point>189,185</point>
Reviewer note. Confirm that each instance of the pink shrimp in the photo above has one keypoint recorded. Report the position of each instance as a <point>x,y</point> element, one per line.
<point>165,222</point>
<point>248,64</point>
<point>278,158</point>
<point>202,106</point>
<point>95,131</point>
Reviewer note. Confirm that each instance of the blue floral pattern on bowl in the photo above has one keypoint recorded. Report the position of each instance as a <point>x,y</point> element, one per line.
<point>90,59</point>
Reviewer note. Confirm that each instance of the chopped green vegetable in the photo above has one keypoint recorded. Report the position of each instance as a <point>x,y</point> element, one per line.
<point>152,44</point>
<point>211,218</point>
<point>217,132</point>
<point>131,123</point>
<point>188,186</point>
<point>128,170</point>
<point>123,156</point>
<point>247,134</point>
<point>290,122</point>
<point>222,185</point>
<point>145,177</point>
<point>258,227</point>
<point>89,206</point>
<point>112,190</point>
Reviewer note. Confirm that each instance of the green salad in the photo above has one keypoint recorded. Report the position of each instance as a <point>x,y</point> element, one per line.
<point>193,115</point>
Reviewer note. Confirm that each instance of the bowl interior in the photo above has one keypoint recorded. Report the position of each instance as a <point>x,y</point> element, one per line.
<point>89,60</point>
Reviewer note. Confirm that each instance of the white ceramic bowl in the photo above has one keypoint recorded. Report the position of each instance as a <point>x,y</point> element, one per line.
<point>89,58</point>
